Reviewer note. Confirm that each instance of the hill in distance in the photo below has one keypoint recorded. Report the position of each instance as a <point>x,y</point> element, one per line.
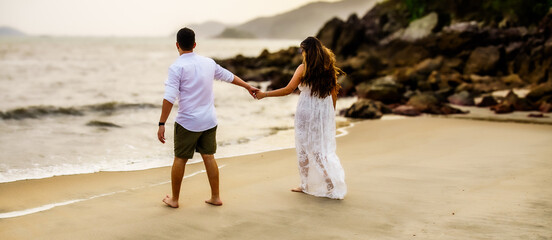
<point>208,29</point>
<point>231,32</point>
<point>304,21</point>
<point>295,24</point>
<point>8,31</point>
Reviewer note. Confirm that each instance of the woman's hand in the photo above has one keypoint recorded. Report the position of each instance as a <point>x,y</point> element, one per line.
<point>260,94</point>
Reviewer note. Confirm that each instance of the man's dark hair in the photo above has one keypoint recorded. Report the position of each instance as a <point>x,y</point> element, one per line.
<point>186,39</point>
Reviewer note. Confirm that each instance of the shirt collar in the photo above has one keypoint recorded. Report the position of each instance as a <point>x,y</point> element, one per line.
<point>187,55</point>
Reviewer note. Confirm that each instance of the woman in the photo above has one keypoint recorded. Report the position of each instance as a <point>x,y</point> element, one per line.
<point>319,167</point>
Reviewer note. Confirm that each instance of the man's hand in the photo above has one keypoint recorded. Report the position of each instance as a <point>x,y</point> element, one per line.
<point>253,91</point>
<point>161,134</point>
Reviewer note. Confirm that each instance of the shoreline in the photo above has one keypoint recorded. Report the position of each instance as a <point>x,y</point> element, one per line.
<point>481,114</point>
<point>341,130</point>
<point>435,178</point>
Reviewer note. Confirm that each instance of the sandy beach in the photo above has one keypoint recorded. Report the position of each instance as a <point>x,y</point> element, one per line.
<point>413,178</point>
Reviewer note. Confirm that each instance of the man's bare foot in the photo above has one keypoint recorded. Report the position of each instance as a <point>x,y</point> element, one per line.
<point>297,189</point>
<point>214,201</point>
<point>170,202</point>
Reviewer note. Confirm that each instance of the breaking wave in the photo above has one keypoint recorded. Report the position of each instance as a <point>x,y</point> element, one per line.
<point>45,111</point>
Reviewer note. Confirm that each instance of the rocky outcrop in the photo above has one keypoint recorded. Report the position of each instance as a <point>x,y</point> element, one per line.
<point>447,56</point>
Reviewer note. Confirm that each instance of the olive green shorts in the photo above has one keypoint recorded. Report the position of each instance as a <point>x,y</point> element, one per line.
<point>187,142</point>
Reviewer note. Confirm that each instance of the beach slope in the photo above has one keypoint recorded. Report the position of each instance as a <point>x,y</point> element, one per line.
<point>413,178</point>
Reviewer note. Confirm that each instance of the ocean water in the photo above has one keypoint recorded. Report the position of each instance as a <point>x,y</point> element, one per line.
<point>83,105</point>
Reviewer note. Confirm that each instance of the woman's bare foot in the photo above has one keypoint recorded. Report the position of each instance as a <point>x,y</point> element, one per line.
<point>170,202</point>
<point>214,201</point>
<point>297,189</point>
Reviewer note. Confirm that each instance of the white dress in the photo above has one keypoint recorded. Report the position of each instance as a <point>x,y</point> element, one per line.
<point>319,167</point>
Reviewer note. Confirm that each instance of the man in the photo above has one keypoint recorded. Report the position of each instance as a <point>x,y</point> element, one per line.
<point>190,79</point>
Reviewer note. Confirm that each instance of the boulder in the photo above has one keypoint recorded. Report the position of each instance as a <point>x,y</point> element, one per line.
<point>443,93</point>
<point>283,58</point>
<point>486,84</point>
<point>366,108</point>
<point>512,103</point>
<point>347,85</point>
<point>423,102</point>
<point>350,37</point>
<point>463,98</point>
<point>482,60</point>
<point>406,110</point>
<point>524,105</point>
<point>456,37</point>
<point>353,63</point>
<point>399,54</point>
<point>408,76</point>
<point>487,101</point>
<point>502,108</point>
<point>548,47</point>
<point>518,104</point>
<point>512,80</point>
<point>446,110</point>
<point>384,89</point>
<point>368,64</point>
<point>440,80</point>
<point>360,76</point>
<point>383,19</point>
<point>329,33</point>
<point>261,74</point>
<point>420,28</point>
<point>513,48</point>
<point>480,79</point>
<point>428,103</point>
<point>545,26</point>
<point>539,92</point>
<point>545,107</point>
<point>532,64</point>
<point>280,80</point>
<point>462,27</point>
<point>452,64</point>
<point>429,65</point>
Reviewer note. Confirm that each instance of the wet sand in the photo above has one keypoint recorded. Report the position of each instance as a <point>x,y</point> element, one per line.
<point>413,178</point>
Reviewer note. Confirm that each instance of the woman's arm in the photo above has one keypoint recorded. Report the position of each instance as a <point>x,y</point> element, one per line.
<point>239,82</point>
<point>292,85</point>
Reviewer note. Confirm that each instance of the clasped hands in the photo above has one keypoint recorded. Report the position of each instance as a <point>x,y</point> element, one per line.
<point>256,93</point>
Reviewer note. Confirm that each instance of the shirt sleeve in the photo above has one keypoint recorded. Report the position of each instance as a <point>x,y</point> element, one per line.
<point>172,85</point>
<point>223,74</point>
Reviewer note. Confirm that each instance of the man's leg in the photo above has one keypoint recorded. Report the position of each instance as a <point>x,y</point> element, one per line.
<point>213,174</point>
<point>177,173</point>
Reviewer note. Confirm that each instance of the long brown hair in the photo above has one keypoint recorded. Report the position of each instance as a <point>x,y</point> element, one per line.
<point>320,71</point>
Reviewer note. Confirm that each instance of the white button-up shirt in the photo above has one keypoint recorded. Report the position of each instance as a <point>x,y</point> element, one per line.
<point>191,80</point>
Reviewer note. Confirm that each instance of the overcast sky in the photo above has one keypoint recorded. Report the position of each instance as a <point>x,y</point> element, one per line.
<point>131,17</point>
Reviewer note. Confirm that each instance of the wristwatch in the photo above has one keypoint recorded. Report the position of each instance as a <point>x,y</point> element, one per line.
<point>161,124</point>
